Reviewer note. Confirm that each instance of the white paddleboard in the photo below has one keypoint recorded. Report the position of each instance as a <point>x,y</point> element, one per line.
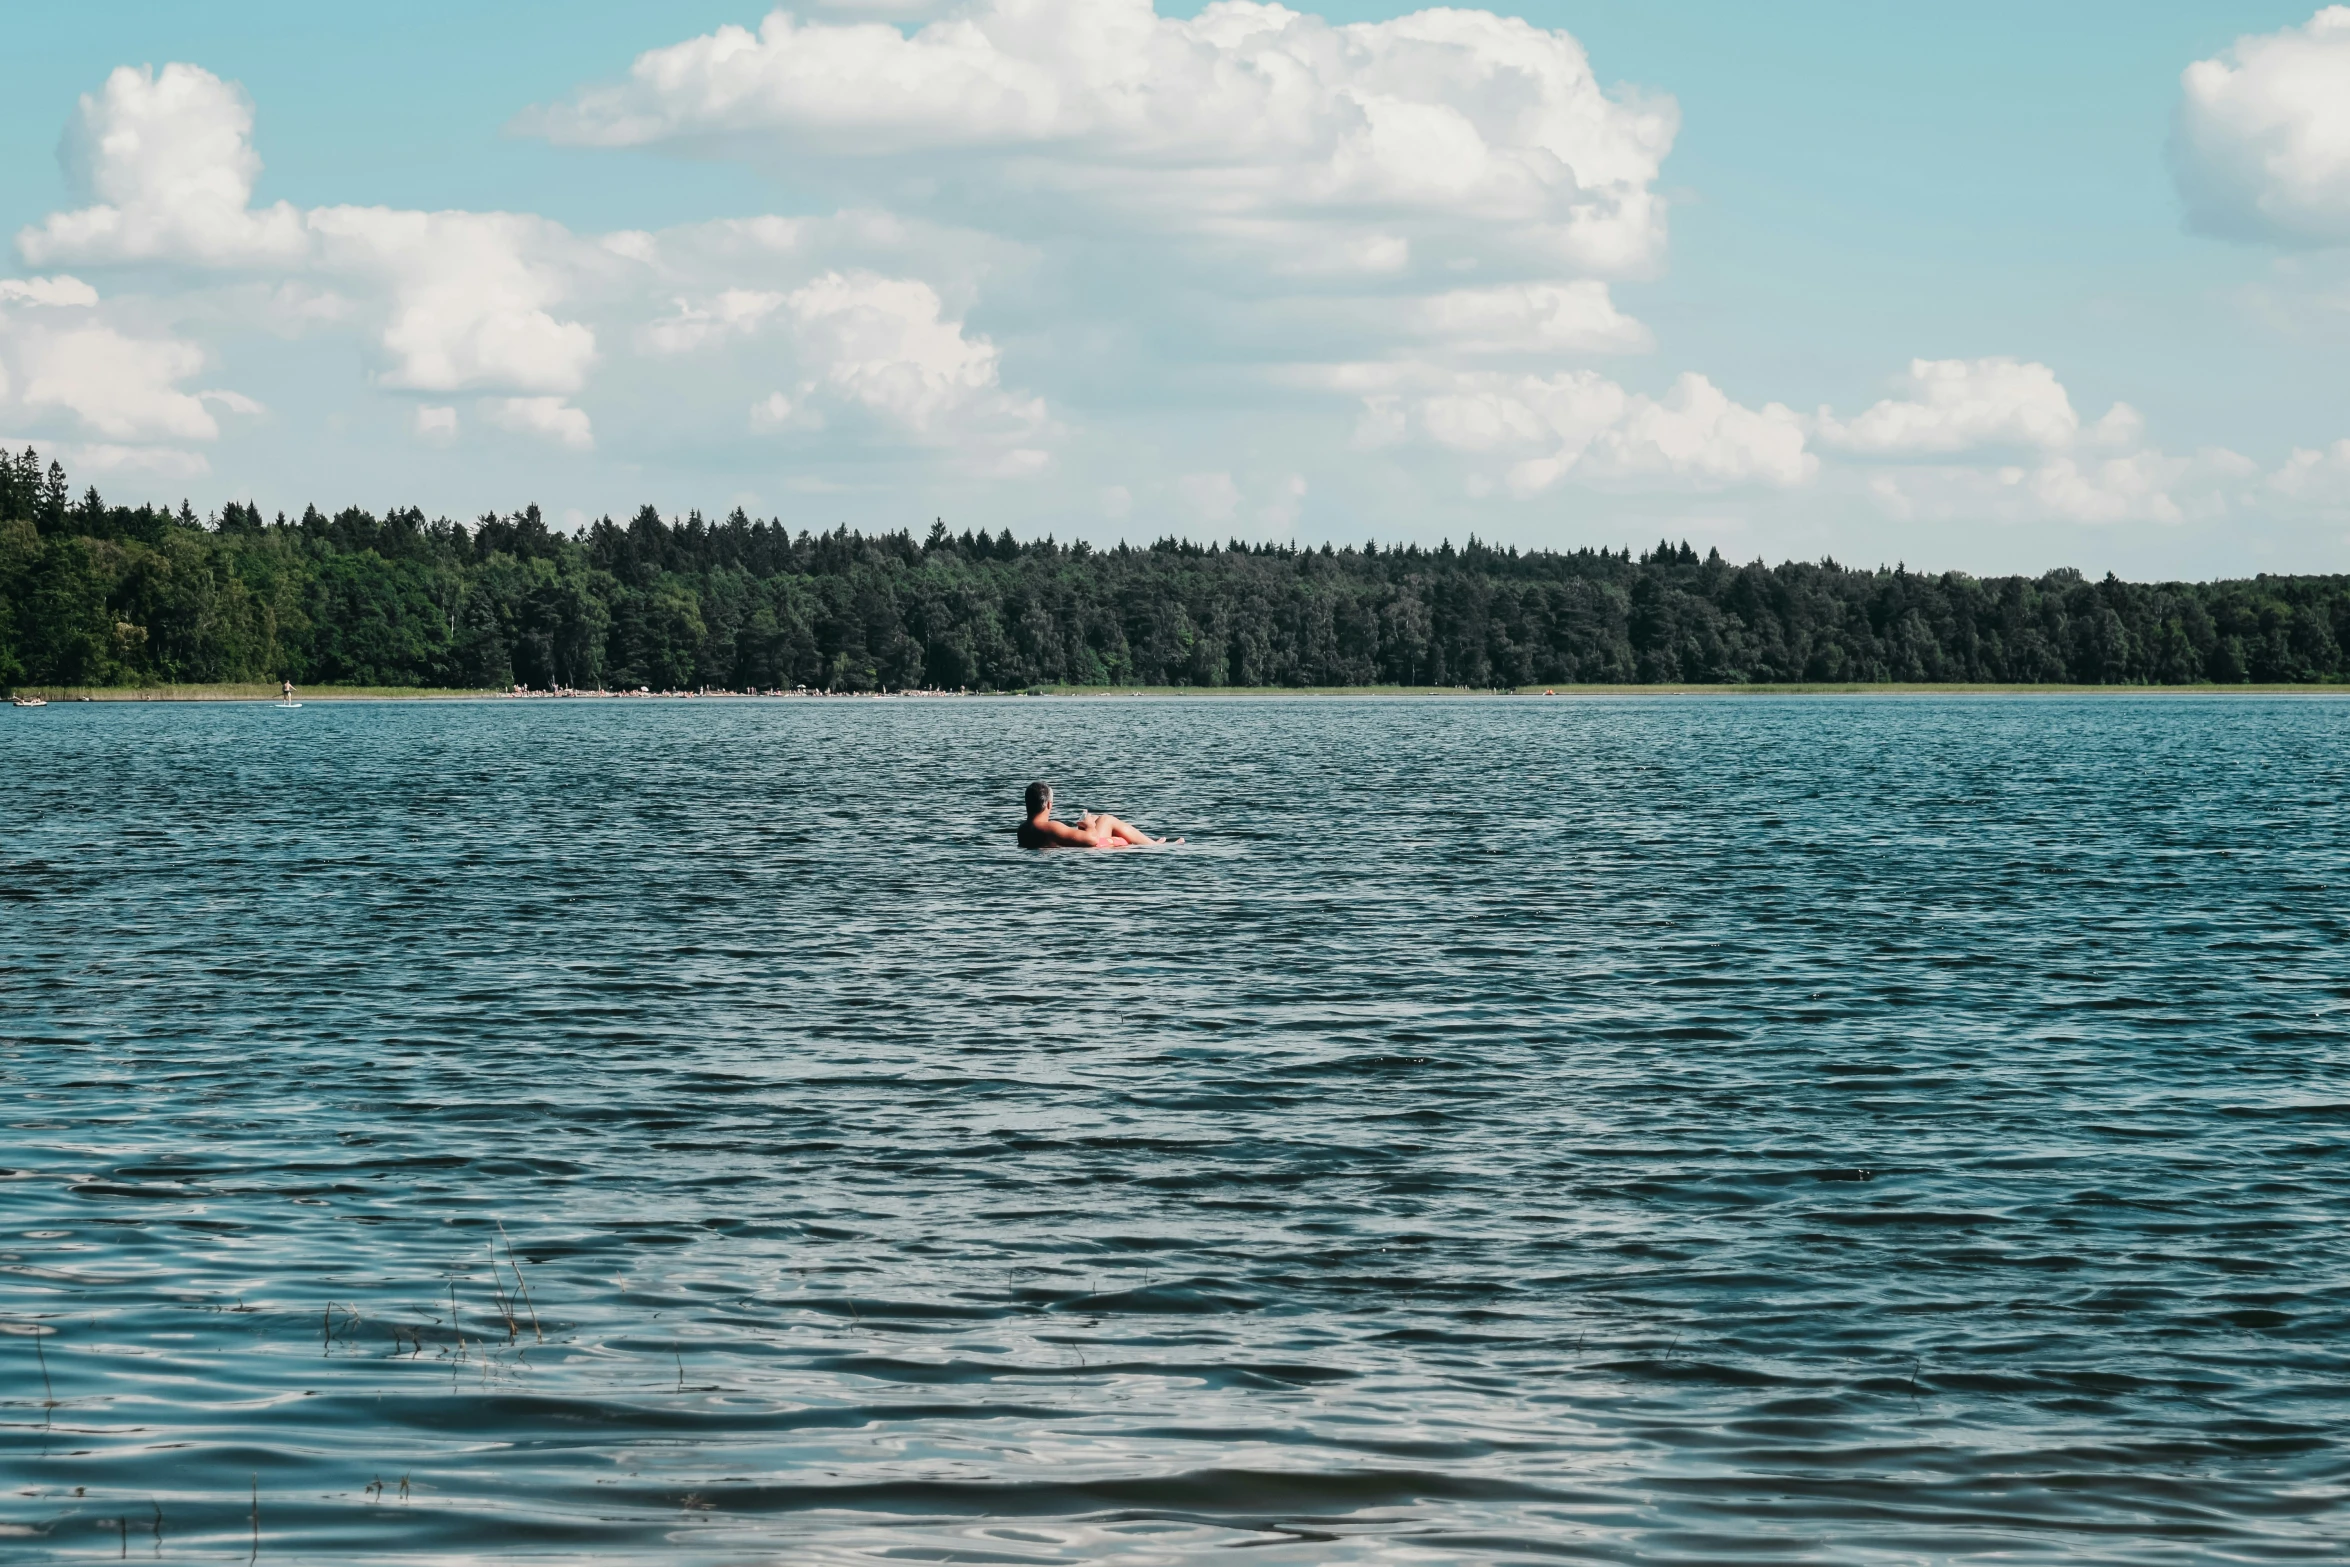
<point>285,704</point>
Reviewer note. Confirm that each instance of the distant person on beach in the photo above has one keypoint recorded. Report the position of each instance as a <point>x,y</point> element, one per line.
<point>1093,830</point>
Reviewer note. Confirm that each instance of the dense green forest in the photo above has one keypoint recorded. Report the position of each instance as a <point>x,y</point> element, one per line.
<point>94,594</point>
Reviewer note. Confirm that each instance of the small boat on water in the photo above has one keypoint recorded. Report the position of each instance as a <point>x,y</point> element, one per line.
<point>28,701</point>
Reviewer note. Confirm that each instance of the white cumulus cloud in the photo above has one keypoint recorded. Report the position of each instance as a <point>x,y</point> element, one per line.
<point>1536,319</point>
<point>1448,186</point>
<point>1243,115</point>
<point>169,161</point>
<point>122,387</point>
<point>470,295</point>
<point>60,292</point>
<point>882,344</point>
<point>1697,434</point>
<point>2261,148</point>
<point>2147,485</point>
<point>547,417</point>
<point>733,312</point>
<point>772,412</point>
<point>1957,405</point>
<point>1216,240</point>
<point>1211,498</point>
<point>1999,439</point>
<point>2318,478</point>
<point>160,462</point>
<point>509,305</point>
<point>1580,423</point>
<point>1281,512</point>
<point>465,299</point>
<point>67,355</point>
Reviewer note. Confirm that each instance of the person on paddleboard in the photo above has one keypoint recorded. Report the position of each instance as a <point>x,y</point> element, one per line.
<point>1093,830</point>
<point>289,687</point>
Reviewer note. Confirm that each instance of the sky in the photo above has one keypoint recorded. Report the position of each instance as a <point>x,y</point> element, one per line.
<point>1992,288</point>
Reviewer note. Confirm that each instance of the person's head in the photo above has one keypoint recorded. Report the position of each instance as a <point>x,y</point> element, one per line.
<point>1040,797</point>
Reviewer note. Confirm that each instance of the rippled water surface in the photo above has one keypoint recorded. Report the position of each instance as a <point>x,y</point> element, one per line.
<point>1871,1130</point>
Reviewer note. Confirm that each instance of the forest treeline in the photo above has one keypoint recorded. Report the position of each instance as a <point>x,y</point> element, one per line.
<point>93,594</point>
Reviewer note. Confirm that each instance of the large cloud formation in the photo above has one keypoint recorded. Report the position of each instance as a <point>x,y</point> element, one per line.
<point>467,296</point>
<point>1434,138</point>
<point>1425,213</point>
<point>502,305</point>
<point>2262,145</point>
<point>1254,259</point>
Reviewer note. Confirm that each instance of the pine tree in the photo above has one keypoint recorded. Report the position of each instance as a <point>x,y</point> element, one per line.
<point>52,513</point>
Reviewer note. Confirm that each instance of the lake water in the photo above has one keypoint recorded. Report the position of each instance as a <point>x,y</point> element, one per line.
<point>1668,1130</point>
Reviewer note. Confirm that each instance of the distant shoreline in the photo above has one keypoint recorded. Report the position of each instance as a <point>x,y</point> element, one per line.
<point>1880,688</point>
<point>269,693</point>
<point>244,693</point>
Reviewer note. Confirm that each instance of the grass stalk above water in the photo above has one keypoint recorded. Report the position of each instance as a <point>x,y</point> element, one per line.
<point>520,1283</point>
<point>48,1392</point>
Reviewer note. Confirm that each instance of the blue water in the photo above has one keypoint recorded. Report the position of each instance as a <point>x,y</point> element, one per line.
<point>1877,1130</point>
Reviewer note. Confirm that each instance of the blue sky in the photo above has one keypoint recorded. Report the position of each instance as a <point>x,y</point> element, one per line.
<point>1087,311</point>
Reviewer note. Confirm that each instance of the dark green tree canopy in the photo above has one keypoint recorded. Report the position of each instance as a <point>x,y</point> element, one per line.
<point>95,594</point>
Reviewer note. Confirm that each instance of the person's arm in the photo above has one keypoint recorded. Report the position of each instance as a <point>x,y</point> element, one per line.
<point>1066,835</point>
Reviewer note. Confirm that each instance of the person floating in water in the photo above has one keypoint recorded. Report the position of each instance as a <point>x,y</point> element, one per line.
<point>1093,830</point>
